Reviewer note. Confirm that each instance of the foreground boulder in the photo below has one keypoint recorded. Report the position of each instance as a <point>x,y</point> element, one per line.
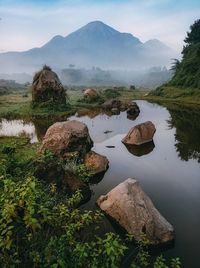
<point>69,136</point>
<point>129,205</point>
<point>140,134</point>
<point>46,86</point>
<point>96,163</point>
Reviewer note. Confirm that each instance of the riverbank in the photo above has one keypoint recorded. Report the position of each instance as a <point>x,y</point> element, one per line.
<point>167,94</point>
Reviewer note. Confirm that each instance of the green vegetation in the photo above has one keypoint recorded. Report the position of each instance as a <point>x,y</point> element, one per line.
<point>187,72</point>
<point>185,83</point>
<point>165,94</point>
<point>16,106</point>
<point>41,226</point>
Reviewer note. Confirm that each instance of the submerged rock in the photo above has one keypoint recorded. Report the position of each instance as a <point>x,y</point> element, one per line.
<point>46,87</point>
<point>96,163</point>
<point>130,206</point>
<point>140,134</point>
<point>68,136</point>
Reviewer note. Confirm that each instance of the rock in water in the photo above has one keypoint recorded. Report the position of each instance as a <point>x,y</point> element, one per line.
<point>68,136</point>
<point>113,103</point>
<point>129,205</point>
<point>133,108</point>
<point>46,86</point>
<point>140,134</point>
<point>96,163</point>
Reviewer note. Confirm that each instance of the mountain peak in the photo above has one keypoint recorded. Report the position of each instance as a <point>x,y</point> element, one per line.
<point>97,26</point>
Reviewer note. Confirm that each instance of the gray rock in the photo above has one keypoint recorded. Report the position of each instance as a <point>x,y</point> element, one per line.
<point>130,206</point>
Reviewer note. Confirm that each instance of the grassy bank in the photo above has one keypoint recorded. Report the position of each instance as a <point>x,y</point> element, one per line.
<point>18,106</point>
<point>177,95</point>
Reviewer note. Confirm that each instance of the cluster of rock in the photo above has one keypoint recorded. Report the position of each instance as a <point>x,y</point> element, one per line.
<point>71,138</point>
<point>116,106</point>
<point>127,203</point>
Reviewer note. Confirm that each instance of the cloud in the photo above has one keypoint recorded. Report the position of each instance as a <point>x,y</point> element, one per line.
<point>26,24</point>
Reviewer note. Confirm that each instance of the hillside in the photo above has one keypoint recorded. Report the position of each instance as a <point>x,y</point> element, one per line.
<point>185,83</point>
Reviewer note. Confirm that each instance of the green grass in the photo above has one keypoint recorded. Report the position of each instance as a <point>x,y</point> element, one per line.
<point>16,106</point>
<point>24,150</point>
<point>166,94</point>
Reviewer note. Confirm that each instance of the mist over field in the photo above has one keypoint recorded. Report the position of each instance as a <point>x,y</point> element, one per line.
<point>95,54</point>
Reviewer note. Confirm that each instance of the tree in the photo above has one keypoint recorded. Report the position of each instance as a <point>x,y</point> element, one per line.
<point>193,37</point>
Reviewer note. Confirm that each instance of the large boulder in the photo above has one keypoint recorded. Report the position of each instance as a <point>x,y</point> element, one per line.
<point>129,205</point>
<point>96,163</point>
<point>69,136</point>
<point>140,134</point>
<point>46,86</point>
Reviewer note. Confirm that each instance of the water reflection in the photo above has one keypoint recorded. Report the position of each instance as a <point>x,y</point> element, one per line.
<point>140,150</point>
<point>17,128</point>
<point>187,124</point>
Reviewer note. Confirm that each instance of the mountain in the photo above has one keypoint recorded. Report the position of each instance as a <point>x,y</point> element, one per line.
<point>95,44</point>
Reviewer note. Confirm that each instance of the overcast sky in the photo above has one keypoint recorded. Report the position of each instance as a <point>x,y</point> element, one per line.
<point>25,24</point>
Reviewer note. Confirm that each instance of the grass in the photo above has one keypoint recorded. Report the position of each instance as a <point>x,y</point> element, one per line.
<point>177,95</point>
<point>17,106</point>
<point>24,150</point>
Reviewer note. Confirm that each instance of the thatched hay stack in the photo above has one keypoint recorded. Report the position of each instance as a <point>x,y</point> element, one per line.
<point>46,87</point>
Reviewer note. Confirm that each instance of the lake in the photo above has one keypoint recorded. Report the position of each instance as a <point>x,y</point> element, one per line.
<point>168,169</point>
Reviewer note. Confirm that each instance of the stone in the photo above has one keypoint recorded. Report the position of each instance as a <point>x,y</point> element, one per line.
<point>140,134</point>
<point>46,86</point>
<point>69,136</point>
<point>96,163</point>
<point>90,93</point>
<point>113,103</point>
<point>130,206</point>
<point>115,111</point>
<point>133,108</point>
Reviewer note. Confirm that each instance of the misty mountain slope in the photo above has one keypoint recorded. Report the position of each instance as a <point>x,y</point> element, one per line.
<point>95,44</point>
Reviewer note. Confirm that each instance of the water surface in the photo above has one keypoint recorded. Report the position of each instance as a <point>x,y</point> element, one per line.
<point>168,169</point>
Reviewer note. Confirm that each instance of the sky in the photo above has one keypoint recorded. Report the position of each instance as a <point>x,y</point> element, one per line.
<point>25,24</point>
